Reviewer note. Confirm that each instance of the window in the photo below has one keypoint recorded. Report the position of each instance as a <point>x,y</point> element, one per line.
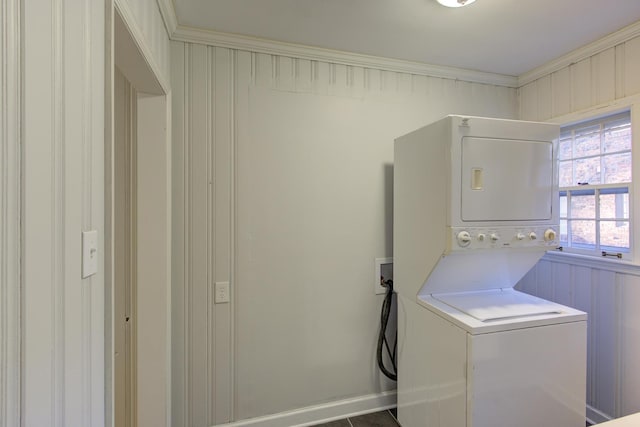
<point>595,177</point>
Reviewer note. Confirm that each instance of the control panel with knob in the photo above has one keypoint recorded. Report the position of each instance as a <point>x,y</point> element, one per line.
<point>490,238</point>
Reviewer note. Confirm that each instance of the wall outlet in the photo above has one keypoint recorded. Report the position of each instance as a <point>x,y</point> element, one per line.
<point>383,268</point>
<point>222,292</point>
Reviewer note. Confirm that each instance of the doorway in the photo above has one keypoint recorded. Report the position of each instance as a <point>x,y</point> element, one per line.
<point>138,236</point>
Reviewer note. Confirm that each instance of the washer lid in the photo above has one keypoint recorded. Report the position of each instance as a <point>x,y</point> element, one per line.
<point>498,304</point>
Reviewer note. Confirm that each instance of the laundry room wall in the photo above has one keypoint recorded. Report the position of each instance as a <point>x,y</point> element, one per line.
<point>282,187</point>
<point>582,84</point>
<point>60,104</point>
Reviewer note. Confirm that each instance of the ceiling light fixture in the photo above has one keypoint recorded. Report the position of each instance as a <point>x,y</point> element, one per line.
<point>455,3</point>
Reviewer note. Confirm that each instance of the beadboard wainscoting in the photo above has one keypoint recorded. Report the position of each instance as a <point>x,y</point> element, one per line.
<point>610,293</point>
<point>282,186</point>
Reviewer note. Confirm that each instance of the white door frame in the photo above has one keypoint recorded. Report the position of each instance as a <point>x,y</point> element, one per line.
<point>127,49</point>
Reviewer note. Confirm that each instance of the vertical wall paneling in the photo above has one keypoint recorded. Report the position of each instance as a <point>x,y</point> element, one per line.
<point>604,77</point>
<point>561,90</point>
<point>198,242</point>
<point>57,214</point>
<point>545,280</point>
<point>179,235</point>
<point>10,248</point>
<point>262,69</point>
<point>99,17</point>
<point>545,98</point>
<point>620,71</point>
<point>63,134</point>
<point>211,335</point>
<point>529,101</point>
<point>608,75</point>
<point>581,85</point>
<point>632,66</point>
<point>630,346</point>
<point>223,161</point>
<point>613,347</point>
<point>285,73</point>
<point>250,131</point>
<point>605,325</point>
<point>86,217</point>
<point>304,75</point>
<point>562,284</point>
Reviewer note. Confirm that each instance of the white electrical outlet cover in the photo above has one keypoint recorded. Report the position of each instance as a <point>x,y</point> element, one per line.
<point>379,262</point>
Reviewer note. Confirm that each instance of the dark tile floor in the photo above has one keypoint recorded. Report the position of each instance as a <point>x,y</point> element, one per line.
<point>377,419</point>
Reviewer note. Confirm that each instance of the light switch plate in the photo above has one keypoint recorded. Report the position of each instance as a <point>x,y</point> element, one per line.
<point>222,292</point>
<point>89,253</point>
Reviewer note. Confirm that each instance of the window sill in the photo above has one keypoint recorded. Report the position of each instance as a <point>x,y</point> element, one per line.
<point>589,261</point>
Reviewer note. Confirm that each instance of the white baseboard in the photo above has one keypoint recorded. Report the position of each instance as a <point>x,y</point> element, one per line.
<point>323,413</point>
<point>596,417</point>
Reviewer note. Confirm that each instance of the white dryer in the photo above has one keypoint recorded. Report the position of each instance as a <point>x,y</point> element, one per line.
<point>475,208</point>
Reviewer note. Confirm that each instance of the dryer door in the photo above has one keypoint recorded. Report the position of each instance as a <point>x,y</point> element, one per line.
<point>506,180</point>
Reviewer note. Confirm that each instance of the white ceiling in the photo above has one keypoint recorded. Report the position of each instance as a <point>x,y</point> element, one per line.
<point>507,37</point>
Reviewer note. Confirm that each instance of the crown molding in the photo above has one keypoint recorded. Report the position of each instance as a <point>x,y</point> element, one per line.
<point>602,44</point>
<point>168,12</point>
<point>254,44</point>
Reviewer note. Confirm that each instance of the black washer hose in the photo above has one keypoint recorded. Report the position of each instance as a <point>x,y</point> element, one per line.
<point>382,339</point>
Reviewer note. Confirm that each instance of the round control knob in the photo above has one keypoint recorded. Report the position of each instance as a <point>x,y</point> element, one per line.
<point>520,236</point>
<point>494,237</point>
<point>464,238</point>
<point>481,237</point>
<point>533,236</point>
<point>549,235</point>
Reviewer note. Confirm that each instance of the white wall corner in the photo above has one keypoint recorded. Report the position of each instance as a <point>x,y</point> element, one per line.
<point>254,44</point>
<point>168,12</point>
<point>609,41</point>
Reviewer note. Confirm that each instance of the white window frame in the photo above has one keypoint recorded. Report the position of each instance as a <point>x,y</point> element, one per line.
<point>631,104</point>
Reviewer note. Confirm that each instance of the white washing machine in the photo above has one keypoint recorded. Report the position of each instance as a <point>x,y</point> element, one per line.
<point>475,208</point>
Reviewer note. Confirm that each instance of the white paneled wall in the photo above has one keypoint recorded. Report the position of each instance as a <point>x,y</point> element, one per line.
<point>10,107</point>
<point>62,330</point>
<point>282,186</point>
<point>610,295</point>
<point>602,78</point>
<point>607,293</point>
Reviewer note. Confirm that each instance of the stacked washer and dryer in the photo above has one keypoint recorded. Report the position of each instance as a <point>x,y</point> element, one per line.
<point>475,208</point>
